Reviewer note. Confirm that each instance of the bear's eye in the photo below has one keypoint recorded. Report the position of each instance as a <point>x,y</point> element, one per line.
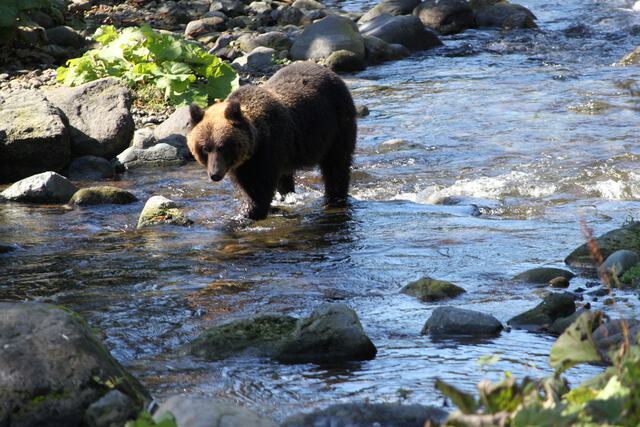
<point>205,149</point>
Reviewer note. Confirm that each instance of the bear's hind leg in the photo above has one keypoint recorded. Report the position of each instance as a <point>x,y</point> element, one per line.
<point>336,173</point>
<point>286,185</point>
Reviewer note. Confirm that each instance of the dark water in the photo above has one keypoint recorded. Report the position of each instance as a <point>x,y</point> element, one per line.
<point>534,130</point>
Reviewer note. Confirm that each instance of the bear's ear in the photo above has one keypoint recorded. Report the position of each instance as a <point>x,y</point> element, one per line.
<point>232,112</point>
<point>196,114</point>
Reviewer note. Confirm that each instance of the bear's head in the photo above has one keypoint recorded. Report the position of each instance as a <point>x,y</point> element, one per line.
<point>221,137</point>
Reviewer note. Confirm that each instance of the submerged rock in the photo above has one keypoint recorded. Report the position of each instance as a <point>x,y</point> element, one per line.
<point>562,323</point>
<point>33,135</point>
<point>428,289</point>
<point>541,317</point>
<point>55,368</point>
<point>101,196</point>
<point>502,14</point>
<point>46,187</point>
<point>258,335</point>
<point>447,321</point>
<point>631,58</point>
<point>446,16</point>
<point>112,409</point>
<point>620,261</point>
<point>160,210</point>
<point>389,7</point>
<point>344,60</point>
<point>627,237</point>
<point>332,333</point>
<point>323,37</point>
<point>90,168</point>
<point>192,412</point>
<point>369,414</point>
<point>407,31</point>
<point>99,116</point>
<point>378,50</point>
<point>542,275</point>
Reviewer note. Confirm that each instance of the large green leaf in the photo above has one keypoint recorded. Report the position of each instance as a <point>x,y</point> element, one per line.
<point>576,344</point>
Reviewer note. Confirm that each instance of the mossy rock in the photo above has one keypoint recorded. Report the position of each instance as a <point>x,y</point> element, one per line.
<point>160,210</point>
<point>541,317</point>
<point>542,275</point>
<point>102,195</point>
<point>428,289</point>
<point>259,335</point>
<point>632,277</point>
<point>632,58</point>
<point>627,237</point>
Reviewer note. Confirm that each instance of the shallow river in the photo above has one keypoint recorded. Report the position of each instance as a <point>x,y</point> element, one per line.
<point>512,139</point>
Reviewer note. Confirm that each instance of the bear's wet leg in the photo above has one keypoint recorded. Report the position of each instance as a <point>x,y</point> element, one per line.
<point>336,172</point>
<point>257,199</point>
<point>286,185</point>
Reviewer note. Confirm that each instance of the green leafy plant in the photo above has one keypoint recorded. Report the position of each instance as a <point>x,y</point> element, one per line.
<point>145,420</point>
<point>151,62</point>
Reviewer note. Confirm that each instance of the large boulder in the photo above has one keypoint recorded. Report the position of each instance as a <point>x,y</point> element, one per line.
<point>46,187</point>
<point>542,275</point>
<point>276,40</point>
<point>428,289</point>
<point>175,128</point>
<point>380,51</point>
<point>627,237</point>
<point>52,368</point>
<point>445,16</point>
<point>447,321</point>
<point>620,261</point>
<point>541,317</point>
<point>172,153</point>
<point>327,35</point>
<point>502,14</point>
<point>193,412</point>
<point>369,414</point>
<point>407,31</point>
<point>160,210</point>
<point>389,7</point>
<point>33,135</point>
<point>90,168</point>
<point>99,116</point>
<point>332,333</point>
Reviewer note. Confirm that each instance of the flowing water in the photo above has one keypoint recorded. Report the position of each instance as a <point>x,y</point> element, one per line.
<point>512,139</point>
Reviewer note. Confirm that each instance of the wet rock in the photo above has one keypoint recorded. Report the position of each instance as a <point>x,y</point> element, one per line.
<point>160,210</point>
<point>362,111</point>
<point>159,155</point>
<point>203,26</point>
<point>258,59</point>
<point>192,412</point>
<point>274,39</point>
<point>46,187</point>
<point>623,238</point>
<point>447,321</point>
<point>101,196</point>
<point>344,60</point>
<point>542,275</point>
<point>174,130</point>
<point>428,289</point>
<point>369,414</point>
<point>407,31</point>
<point>446,16</point>
<point>332,333</point>
<point>65,36</point>
<point>620,261</point>
<point>33,135</point>
<point>562,323</point>
<point>389,7</point>
<point>231,8</point>
<point>4,248</point>
<point>326,36</point>
<point>397,144</point>
<point>501,14</point>
<point>99,116</point>
<point>542,316</point>
<point>632,58</point>
<point>258,336</point>
<point>611,335</point>
<point>378,51</point>
<point>559,282</point>
<point>90,168</point>
<point>58,368</point>
<point>143,138</point>
<point>308,5</point>
<point>112,409</point>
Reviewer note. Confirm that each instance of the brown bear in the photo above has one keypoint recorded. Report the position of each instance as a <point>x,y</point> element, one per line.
<point>301,117</point>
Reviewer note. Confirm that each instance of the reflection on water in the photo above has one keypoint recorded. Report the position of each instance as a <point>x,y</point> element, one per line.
<point>511,139</point>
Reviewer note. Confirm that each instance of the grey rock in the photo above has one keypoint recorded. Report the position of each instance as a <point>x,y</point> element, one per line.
<point>203,26</point>
<point>542,275</point>
<point>228,7</point>
<point>101,196</point>
<point>378,50</point>
<point>326,36</point>
<point>160,155</point>
<point>620,261</point>
<point>111,410</point>
<point>30,34</point>
<point>369,415</point>
<point>90,168</point>
<point>259,7</point>
<point>65,36</point>
<point>447,321</point>
<point>45,20</point>
<point>631,58</point>
<point>407,31</point>
<point>192,412</point>
<point>160,210</point>
<point>287,15</point>
<point>344,60</point>
<point>308,4</point>
<point>5,248</point>
<point>610,336</point>
<point>277,40</point>
<point>505,15</point>
<point>174,130</point>
<point>446,16</point>
<point>389,7</point>
<point>541,317</point>
<point>333,333</point>
<point>562,323</point>
<point>81,5</point>
<point>57,367</point>
<point>46,187</point>
<point>33,135</point>
<point>362,111</point>
<point>627,237</point>
<point>143,138</point>
<point>260,58</point>
<point>99,116</point>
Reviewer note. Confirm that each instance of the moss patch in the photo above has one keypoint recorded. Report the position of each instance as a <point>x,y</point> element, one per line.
<point>102,195</point>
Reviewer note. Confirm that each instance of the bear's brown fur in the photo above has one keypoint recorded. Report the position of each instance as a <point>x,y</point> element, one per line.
<point>301,117</point>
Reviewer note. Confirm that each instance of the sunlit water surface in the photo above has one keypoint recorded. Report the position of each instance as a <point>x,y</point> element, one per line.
<point>512,139</point>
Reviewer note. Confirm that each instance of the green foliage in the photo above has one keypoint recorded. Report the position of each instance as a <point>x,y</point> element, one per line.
<point>145,420</point>
<point>149,61</point>
<point>610,399</point>
<point>632,276</point>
